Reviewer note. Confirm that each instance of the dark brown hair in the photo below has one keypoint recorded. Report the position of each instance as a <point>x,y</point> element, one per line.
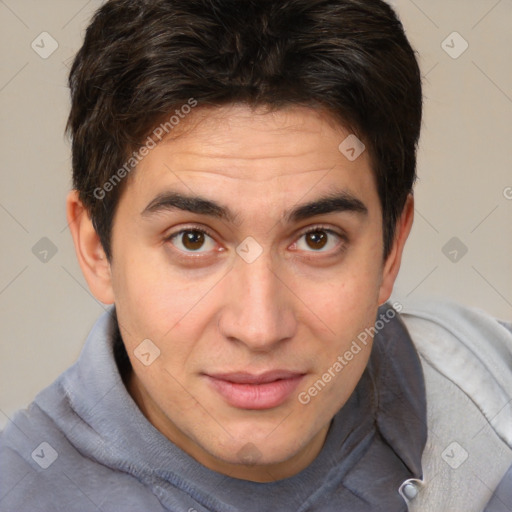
<point>144,59</point>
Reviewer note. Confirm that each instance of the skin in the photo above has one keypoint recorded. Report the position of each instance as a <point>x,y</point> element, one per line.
<point>298,306</point>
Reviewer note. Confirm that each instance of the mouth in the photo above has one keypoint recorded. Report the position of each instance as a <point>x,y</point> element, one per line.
<point>250,391</point>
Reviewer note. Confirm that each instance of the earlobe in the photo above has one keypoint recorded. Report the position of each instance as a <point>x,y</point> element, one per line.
<point>89,251</point>
<point>394,259</point>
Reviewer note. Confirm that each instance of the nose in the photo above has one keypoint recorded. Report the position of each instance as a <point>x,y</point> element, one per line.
<point>258,312</point>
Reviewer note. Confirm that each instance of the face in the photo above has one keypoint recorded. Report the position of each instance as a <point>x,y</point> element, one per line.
<point>249,251</point>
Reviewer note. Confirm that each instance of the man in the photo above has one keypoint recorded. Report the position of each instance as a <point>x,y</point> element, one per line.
<point>243,176</point>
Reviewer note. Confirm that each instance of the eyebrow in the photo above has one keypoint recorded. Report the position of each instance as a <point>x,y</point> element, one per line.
<point>332,203</point>
<point>169,201</point>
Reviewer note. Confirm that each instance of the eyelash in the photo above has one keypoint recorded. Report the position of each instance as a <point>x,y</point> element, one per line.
<point>186,229</point>
<point>192,254</point>
<point>314,229</point>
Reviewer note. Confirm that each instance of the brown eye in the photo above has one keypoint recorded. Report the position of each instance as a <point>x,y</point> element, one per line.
<point>321,240</point>
<point>316,239</point>
<point>192,240</point>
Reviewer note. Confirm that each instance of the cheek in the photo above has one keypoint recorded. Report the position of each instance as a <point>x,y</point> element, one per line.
<point>142,294</point>
<point>347,307</point>
<point>155,301</point>
<point>346,300</point>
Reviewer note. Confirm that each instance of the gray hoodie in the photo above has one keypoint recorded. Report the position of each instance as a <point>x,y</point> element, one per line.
<point>83,445</point>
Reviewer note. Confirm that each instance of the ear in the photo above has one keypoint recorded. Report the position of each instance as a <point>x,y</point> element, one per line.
<point>89,251</point>
<point>392,264</point>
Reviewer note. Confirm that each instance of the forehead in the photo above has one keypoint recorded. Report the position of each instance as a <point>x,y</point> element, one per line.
<point>251,156</point>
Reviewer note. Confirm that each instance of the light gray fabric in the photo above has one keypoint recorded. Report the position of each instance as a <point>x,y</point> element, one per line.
<point>467,363</point>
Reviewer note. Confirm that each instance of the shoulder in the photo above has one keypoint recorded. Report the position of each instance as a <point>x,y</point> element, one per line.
<point>471,349</point>
<point>42,470</point>
<point>466,357</point>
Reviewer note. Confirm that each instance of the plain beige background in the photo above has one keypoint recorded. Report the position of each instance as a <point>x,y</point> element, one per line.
<point>463,197</point>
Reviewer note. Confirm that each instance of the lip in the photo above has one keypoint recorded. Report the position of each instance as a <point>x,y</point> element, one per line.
<point>255,391</point>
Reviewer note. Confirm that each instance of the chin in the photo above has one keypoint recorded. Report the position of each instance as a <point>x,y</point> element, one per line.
<point>257,450</point>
